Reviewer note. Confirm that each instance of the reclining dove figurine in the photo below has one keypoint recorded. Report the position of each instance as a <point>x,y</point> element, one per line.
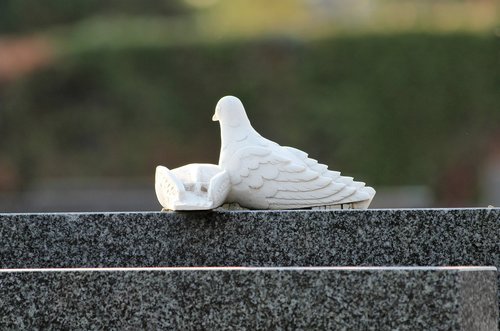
<point>256,173</point>
<point>265,175</point>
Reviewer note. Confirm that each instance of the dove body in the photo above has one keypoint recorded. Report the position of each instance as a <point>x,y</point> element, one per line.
<point>265,175</point>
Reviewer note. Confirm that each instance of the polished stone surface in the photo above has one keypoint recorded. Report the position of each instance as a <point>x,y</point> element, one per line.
<point>418,237</point>
<point>252,238</point>
<point>250,298</point>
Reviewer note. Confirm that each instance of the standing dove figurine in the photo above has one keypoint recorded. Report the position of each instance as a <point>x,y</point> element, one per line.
<point>265,175</point>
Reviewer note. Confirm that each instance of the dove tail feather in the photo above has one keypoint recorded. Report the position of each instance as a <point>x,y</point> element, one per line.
<point>347,195</point>
<point>218,188</point>
<point>167,187</point>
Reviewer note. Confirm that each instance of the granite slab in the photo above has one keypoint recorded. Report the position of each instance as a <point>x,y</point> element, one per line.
<point>349,298</point>
<point>425,237</point>
<point>412,237</point>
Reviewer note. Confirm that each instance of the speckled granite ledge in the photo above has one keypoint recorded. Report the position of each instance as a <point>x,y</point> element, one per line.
<point>252,238</point>
<point>420,237</point>
<point>250,298</point>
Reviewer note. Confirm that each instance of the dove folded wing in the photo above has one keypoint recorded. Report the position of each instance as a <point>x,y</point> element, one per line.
<point>323,169</point>
<point>277,179</point>
<point>311,163</point>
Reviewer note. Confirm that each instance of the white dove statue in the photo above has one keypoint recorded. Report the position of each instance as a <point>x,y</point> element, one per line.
<point>265,175</point>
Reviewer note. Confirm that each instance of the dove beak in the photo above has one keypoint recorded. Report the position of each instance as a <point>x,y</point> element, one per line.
<point>215,118</point>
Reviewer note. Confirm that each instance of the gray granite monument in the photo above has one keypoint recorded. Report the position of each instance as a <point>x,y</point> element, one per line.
<point>339,298</point>
<point>448,238</point>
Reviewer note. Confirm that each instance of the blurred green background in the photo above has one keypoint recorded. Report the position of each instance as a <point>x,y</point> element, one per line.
<point>404,95</point>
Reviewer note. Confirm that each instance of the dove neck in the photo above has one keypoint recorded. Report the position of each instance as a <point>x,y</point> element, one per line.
<point>236,131</point>
<point>233,138</point>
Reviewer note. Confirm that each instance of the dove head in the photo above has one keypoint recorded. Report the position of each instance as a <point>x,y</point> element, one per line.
<point>230,111</point>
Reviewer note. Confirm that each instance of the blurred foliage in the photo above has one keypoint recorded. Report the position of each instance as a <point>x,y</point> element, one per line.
<point>323,18</point>
<point>391,109</point>
<point>31,15</point>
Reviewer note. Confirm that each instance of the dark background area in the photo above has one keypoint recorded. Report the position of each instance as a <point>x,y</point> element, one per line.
<point>93,96</point>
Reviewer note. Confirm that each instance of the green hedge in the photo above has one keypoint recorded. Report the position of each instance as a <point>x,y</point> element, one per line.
<point>388,109</point>
<point>31,15</point>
